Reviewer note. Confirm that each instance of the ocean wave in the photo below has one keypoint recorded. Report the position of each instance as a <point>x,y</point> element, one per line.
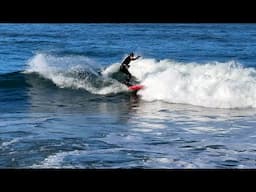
<point>212,84</point>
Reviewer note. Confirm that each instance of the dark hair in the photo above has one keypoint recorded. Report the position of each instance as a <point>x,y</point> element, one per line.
<point>132,54</point>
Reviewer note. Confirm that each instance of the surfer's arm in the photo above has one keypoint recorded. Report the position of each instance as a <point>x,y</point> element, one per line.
<point>134,58</point>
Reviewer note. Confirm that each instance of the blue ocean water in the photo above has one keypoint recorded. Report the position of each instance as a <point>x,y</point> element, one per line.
<point>61,107</point>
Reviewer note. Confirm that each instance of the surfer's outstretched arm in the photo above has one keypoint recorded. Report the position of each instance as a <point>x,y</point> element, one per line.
<point>134,58</point>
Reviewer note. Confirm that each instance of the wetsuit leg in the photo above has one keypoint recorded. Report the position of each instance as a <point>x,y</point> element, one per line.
<point>125,70</point>
<point>128,79</point>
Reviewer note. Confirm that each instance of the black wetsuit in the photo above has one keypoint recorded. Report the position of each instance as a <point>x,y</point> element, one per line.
<point>124,68</point>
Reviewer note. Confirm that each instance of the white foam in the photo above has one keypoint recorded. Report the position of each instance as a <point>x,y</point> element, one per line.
<point>167,163</point>
<point>56,160</point>
<point>7,143</point>
<point>56,69</point>
<point>217,85</point>
<point>110,70</point>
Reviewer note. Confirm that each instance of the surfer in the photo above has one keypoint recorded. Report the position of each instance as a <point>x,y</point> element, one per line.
<point>125,65</point>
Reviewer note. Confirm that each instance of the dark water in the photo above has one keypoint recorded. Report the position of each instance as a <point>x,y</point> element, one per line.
<point>197,109</point>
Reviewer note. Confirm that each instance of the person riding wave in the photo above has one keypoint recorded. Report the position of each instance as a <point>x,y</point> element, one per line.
<point>125,65</point>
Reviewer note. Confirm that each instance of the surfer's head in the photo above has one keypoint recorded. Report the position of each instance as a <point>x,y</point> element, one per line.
<point>131,54</point>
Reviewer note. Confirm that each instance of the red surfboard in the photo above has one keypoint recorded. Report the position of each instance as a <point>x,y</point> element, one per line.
<point>135,87</point>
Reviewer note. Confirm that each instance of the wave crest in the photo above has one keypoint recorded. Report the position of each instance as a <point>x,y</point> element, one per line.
<point>72,72</point>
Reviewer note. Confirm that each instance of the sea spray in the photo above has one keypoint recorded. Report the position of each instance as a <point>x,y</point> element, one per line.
<point>66,72</point>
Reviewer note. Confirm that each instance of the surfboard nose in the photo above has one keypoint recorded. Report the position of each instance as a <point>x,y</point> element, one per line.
<point>135,87</point>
